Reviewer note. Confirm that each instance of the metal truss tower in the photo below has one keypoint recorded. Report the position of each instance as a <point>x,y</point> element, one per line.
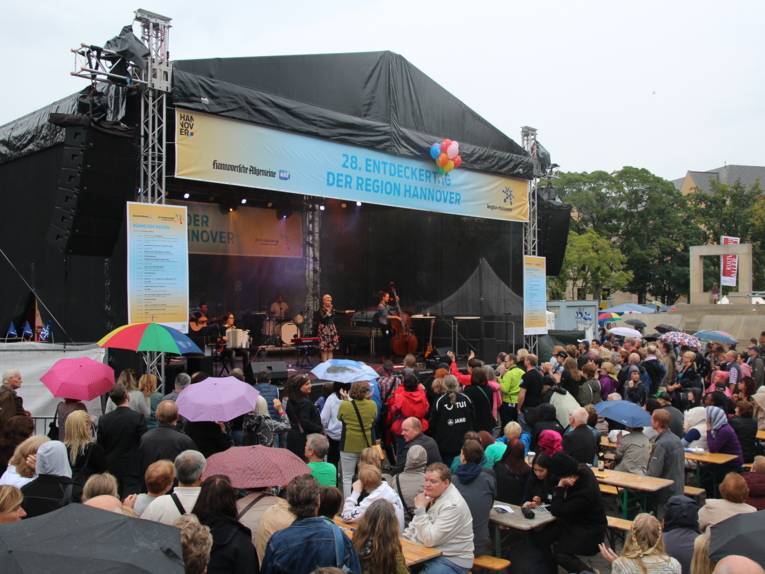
<point>530,229</point>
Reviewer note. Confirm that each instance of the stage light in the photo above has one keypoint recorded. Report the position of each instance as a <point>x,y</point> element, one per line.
<point>343,205</point>
<point>270,204</point>
<point>230,209</point>
<point>186,195</point>
<point>321,207</point>
<point>244,201</point>
<point>358,204</point>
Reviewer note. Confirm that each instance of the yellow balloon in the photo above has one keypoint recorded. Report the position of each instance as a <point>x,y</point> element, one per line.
<point>449,166</point>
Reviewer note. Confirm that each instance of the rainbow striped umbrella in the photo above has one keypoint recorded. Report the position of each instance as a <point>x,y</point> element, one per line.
<point>149,337</point>
<point>609,317</point>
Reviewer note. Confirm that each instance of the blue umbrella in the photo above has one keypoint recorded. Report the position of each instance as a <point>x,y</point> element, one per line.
<point>624,412</point>
<point>344,371</point>
<point>715,337</point>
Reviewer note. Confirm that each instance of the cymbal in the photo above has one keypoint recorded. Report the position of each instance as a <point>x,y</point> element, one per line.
<point>423,317</point>
<point>465,317</point>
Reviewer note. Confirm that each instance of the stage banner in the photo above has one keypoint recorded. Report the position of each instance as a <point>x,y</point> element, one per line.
<point>729,263</point>
<point>221,150</point>
<point>158,265</point>
<point>246,231</point>
<point>534,295</point>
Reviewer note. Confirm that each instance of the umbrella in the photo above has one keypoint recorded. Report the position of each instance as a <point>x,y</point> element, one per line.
<point>81,378</point>
<point>741,534</point>
<point>664,328</point>
<point>78,539</point>
<point>609,317</point>
<point>626,332</point>
<point>625,412</point>
<point>681,339</point>
<point>256,466</point>
<point>344,371</point>
<point>153,337</point>
<point>715,337</point>
<point>637,323</point>
<point>630,308</point>
<point>216,399</point>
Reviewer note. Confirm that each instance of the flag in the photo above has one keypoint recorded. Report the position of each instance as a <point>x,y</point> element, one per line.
<point>12,333</point>
<point>45,332</point>
<point>27,332</point>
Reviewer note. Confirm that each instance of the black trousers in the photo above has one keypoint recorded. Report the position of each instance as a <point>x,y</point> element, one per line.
<point>546,540</point>
<point>507,413</point>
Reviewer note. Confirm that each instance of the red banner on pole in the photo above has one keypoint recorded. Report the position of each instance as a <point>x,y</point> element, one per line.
<point>728,263</point>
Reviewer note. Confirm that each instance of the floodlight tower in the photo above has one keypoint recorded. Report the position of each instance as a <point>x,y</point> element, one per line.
<point>530,228</point>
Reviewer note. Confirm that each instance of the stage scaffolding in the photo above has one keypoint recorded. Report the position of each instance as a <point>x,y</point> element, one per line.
<point>530,229</point>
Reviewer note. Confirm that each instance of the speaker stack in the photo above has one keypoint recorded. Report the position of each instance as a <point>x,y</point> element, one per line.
<point>98,175</point>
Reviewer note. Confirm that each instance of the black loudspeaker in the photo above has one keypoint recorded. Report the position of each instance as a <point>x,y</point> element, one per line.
<point>195,364</point>
<point>553,234</point>
<point>98,175</point>
<point>276,370</point>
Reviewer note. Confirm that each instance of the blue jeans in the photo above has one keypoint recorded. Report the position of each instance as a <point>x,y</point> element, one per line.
<point>441,565</point>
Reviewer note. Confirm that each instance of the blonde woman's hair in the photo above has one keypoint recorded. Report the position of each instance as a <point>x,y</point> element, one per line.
<point>644,539</point>
<point>78,434</point>
<point>147,384</point>
<point>10,498</point>
<point>99,484</point>
<point>701,563</point>
<point>127,379</point>
<point>23,450</point>
<point>512,429</point>
<point>370,456</point>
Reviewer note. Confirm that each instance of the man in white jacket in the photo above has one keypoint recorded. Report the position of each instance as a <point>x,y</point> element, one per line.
<point>370,481</point>
<point>442,520</point>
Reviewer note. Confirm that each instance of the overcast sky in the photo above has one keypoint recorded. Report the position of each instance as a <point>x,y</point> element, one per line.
<point>666,85</point>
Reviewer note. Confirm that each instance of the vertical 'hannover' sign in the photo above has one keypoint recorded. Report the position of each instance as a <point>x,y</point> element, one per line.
<point>534,295</point>
<point>221,150</point>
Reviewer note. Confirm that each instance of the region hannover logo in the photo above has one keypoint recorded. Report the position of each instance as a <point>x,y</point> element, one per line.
<point>508,191</point>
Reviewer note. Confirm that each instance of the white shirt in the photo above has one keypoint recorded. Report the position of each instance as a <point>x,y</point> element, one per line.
<point>12,478</point>
<point>329,420</point>
<point>353,511</point>
<point>163,509</point>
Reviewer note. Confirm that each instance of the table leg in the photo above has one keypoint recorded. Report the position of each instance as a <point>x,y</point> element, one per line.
<point>497,541</point>
<point>625,502</point>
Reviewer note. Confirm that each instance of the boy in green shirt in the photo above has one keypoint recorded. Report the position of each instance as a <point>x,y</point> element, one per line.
<point>316,447</point>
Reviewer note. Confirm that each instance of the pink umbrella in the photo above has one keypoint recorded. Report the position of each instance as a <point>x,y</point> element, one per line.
<point>256,466</point>
<point>216,399</point>
<point>81,378</point>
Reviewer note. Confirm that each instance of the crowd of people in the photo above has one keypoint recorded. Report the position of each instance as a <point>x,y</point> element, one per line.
<point>414,457</point>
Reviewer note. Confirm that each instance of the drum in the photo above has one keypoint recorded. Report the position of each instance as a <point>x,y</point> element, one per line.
<point>237,339</point>
<point>298,319</point>
<point>289,333</point>
<point>270,327</point>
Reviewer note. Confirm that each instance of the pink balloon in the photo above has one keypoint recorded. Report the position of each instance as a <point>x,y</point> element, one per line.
<point>457,161</point>
<point>453,150</point>
<point>445,145</point>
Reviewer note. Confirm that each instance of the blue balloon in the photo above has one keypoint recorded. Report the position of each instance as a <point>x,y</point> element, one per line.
<point>435,150</point>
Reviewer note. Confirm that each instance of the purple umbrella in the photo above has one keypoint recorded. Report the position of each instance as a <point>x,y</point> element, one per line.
<point>216,399</point>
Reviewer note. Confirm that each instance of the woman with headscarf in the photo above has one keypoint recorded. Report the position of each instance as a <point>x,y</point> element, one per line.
<point>643,550</point>
<point>681,527</point>
<point>720,438</point>
<point>52,489</point>
<point>695,418</point>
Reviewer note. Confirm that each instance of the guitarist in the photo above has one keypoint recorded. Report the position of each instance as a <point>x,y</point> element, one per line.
<point>383,318</point>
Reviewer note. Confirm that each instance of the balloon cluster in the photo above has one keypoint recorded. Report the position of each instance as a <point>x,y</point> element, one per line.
<point>446,154</point>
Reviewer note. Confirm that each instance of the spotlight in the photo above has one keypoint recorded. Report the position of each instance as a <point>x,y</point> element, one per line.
<point>186,195</point>
<point>321,207</point>
<point>358,204</point>
<point>244,201</point>
<point>230,209</point>
<point>343,205</point>
<point>270,204</point>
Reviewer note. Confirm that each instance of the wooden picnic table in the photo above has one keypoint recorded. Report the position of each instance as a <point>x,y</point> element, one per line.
<point>516,521</point>
<point>413,553</point>
<point>761,435</point>
<point>631,482</point>
<point>710,457</point>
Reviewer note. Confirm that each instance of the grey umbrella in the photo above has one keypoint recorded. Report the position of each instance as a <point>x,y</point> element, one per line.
<point>740,534</point>
<point>78,539</point>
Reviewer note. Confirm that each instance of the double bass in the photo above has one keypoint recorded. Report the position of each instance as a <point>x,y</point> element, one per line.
<point>404,340</point>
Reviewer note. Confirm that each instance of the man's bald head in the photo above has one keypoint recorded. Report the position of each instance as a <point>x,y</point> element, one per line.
<point>105,502</point>
<point>411,428</point>
<point>737,565</point>
<point>167,412</point>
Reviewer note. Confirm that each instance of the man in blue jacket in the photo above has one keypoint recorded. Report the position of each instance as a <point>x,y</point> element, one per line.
<point>311,541</point>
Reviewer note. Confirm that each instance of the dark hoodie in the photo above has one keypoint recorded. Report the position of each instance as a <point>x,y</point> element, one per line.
<point>546,419</point>
<point>681,527</point>
<point>479,489</point>
<point>232,550</point>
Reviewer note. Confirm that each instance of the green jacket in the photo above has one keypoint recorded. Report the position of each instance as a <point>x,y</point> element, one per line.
<point>510,385</point>
<point>352,440</point>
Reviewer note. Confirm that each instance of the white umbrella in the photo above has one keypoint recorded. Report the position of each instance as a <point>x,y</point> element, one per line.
<point>626,332</point>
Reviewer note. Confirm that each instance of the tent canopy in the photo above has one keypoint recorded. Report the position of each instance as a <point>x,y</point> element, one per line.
<point>630,308</point>
<point>483,294</point>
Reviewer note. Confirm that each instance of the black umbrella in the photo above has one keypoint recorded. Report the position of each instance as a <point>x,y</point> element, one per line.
<point>80,539</point>
<point>664,328</point>
<point>637,323</point>
<point>740,534</point>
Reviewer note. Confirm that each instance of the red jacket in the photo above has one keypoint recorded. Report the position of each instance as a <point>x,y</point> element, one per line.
<point>404,404</point>
<point>756,483</point>
<point>464,380</point>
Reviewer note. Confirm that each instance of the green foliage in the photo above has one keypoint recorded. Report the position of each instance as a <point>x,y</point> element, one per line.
<point>591,264</point>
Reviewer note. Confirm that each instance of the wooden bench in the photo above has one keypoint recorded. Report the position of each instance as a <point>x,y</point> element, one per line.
<point>608,489</point>
<point>490,563</point>
<point>621,525</point>
<point>693,491</point>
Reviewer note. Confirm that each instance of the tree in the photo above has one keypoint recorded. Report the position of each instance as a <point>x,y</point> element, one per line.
<point>591,264</point>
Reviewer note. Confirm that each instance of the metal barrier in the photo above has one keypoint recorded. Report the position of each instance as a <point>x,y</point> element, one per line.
<point>42,424</point>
